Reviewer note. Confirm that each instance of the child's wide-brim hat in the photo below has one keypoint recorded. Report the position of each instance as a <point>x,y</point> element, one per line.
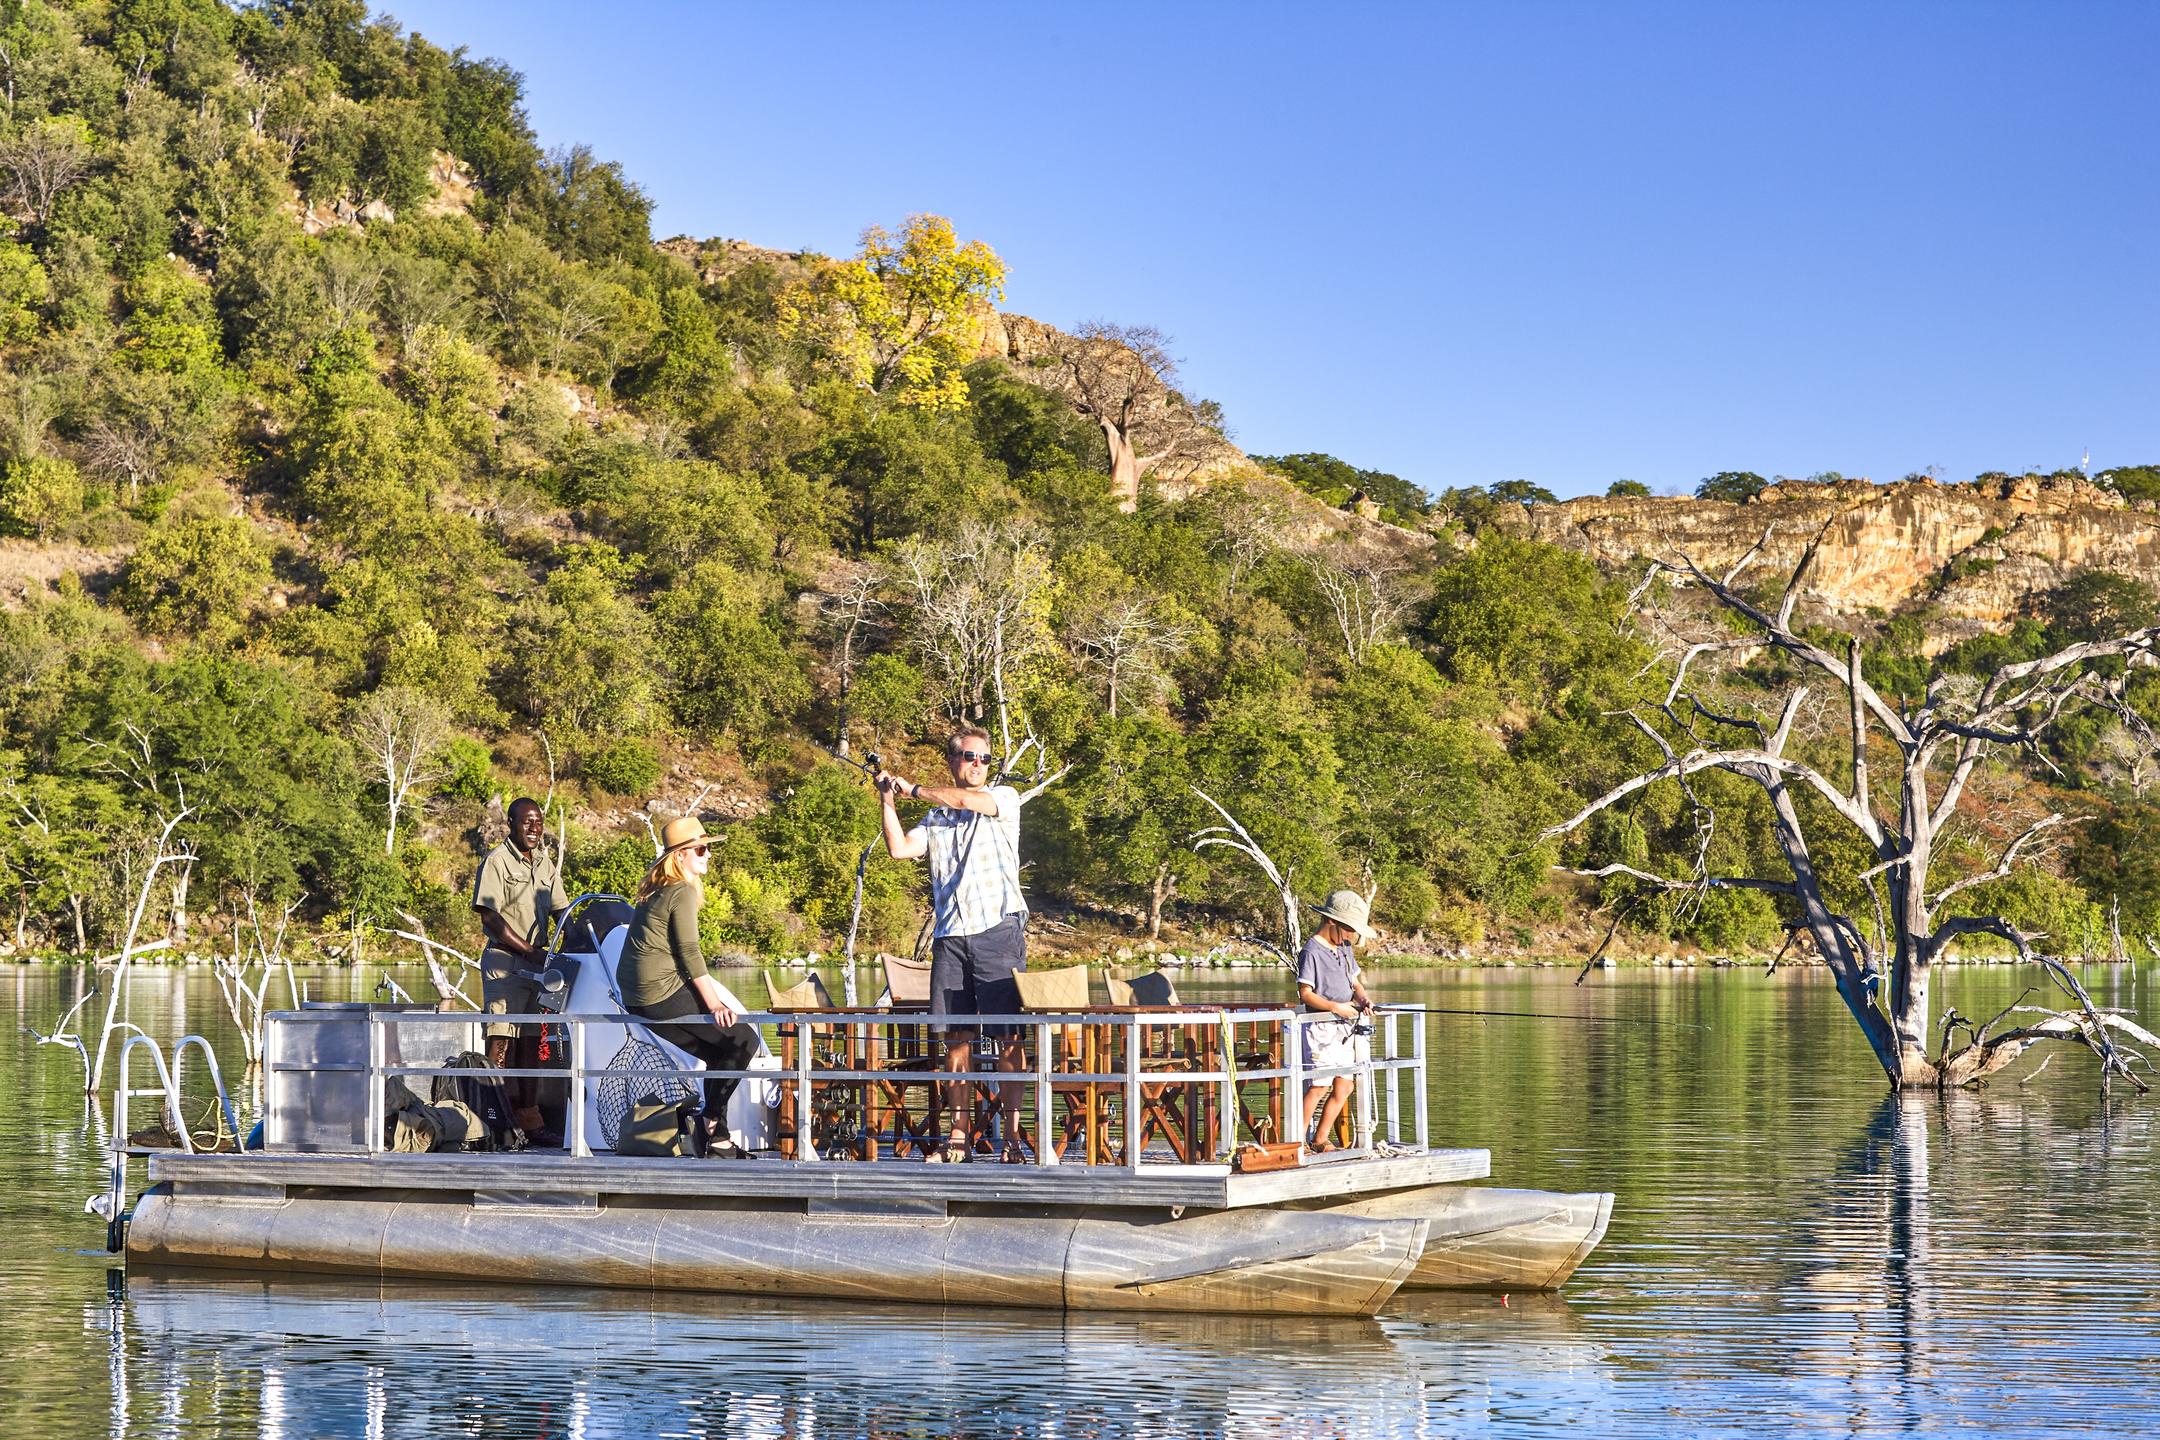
<point>1347,907</point>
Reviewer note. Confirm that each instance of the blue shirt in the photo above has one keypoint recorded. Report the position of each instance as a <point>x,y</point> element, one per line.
<point>1330,969</point>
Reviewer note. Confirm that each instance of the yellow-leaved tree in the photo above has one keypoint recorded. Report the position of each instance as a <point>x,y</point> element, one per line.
<point>905,315</point>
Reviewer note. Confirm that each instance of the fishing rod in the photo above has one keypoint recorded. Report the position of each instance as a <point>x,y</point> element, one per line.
<point>869,765</point>
<point>1275,953</point>
<point>1552,1015</point>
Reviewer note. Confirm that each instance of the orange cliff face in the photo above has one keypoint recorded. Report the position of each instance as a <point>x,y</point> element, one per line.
<point>1977,552</point>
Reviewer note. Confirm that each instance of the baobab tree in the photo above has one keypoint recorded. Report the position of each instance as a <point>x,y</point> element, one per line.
<point>1123,378</point>
<point>1938,741</point>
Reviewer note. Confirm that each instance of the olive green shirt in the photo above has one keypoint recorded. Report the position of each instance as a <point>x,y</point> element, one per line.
<point>524,890</point>
<point>661,953</point>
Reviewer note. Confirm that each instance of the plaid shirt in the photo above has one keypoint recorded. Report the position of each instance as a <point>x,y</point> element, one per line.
<point>974,865</point>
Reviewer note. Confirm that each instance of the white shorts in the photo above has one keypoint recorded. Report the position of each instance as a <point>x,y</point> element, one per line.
<point>1329,1043</point>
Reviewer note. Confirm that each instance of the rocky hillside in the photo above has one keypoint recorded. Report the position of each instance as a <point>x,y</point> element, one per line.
<point>1030,345</point>
<point>1974,554</point>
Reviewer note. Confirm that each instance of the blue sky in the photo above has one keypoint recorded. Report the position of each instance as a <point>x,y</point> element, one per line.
<point>1567,242</point>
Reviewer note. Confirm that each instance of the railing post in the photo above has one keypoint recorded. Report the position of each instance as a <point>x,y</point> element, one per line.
<point>1045,1148</point>
<point>805,1142</point>
<point>1362,1081</point>
<point>1394,1079</point>
<point>1420,1117</point>
<point>578,1145</point>
<point>1132,1090</point>
<point>374,1137</point>
<point>1294,1059</point>
<point>1226,1120</point>
<point>118,1191</point>
<point>273,1132</point>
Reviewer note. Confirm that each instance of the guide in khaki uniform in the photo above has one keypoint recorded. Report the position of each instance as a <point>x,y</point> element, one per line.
<point>518,890</point>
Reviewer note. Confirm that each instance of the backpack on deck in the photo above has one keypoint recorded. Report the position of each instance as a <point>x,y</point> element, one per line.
<point>413,1127</point>
<point>473,1088</point>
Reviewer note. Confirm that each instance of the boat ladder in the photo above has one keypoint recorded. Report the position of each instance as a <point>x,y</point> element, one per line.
<point>168,1087</point>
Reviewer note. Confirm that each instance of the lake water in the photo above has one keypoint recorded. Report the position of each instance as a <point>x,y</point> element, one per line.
<point>1789,1252</point>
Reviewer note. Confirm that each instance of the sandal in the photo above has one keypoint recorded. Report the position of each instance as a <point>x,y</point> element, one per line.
<point>1013,1154</point>
<point>954,1153</point>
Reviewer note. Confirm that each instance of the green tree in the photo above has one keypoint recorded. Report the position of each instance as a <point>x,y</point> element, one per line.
<point>582,654</point>
<point>729,670</point>
<point>2134,482</point>
<point>1627,490</point>
<point>593,211</point>
<point>1335,481</point>
<point>24,292</point>
<point>889,695</point>
<point>1270,758</point>
<point>1522,619</point>
<point>197,578</point>
<point>1735,487</point>
<point>2098,604</point>
<point>1120,826</point>
<point>1522,492</point>
<point>902,472</point>
<point>39,496</point>
<point>687,374</point>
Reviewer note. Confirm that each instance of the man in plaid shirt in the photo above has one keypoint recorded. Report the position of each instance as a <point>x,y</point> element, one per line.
<point>979,934</point>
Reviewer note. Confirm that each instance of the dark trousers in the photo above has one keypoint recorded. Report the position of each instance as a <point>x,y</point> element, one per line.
<point>728,1049</point>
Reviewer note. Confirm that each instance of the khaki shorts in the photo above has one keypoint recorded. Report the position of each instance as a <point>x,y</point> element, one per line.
<point>506,989</point>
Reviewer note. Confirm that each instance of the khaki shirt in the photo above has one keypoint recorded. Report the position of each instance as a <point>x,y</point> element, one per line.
<point>525,892</point>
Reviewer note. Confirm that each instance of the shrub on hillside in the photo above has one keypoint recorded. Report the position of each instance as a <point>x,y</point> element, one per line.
<point>625,766</point>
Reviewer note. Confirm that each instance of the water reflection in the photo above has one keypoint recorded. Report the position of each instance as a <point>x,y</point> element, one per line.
<point>1789,1252</point>
<point>425,1359</point>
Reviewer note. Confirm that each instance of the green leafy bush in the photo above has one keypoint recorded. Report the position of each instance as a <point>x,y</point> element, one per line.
<point>198,578</point>
<point>40,496</point>
<point>625,766</point>
<point>468,770</point>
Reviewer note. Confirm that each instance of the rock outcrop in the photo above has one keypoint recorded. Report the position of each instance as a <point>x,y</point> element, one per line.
<point>1028,344</point>
<point>452,192</point>
<point>1032,349</point>
<point>1976,553</point>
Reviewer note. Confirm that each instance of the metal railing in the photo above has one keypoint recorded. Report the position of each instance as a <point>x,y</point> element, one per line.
<point>1139,1079</point>
<point>168,1090</point>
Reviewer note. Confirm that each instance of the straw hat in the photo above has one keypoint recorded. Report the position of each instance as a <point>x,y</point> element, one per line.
<point>1347,907</point>
<point>681,833</point>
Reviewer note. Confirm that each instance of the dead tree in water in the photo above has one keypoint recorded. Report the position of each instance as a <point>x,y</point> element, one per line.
<point>1939,742</point>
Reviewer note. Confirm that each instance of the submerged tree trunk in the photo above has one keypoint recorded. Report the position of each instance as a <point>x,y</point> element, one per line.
<point>1886,984</point>
<point>178,930</point>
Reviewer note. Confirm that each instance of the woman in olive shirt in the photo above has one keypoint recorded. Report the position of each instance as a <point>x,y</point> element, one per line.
<point>663,974</point>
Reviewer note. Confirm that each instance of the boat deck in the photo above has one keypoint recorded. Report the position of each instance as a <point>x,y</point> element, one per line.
<point>550,1177</point>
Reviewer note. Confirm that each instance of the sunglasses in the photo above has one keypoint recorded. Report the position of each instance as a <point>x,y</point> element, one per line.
<point>978,756</point>
<point>700,849</point>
